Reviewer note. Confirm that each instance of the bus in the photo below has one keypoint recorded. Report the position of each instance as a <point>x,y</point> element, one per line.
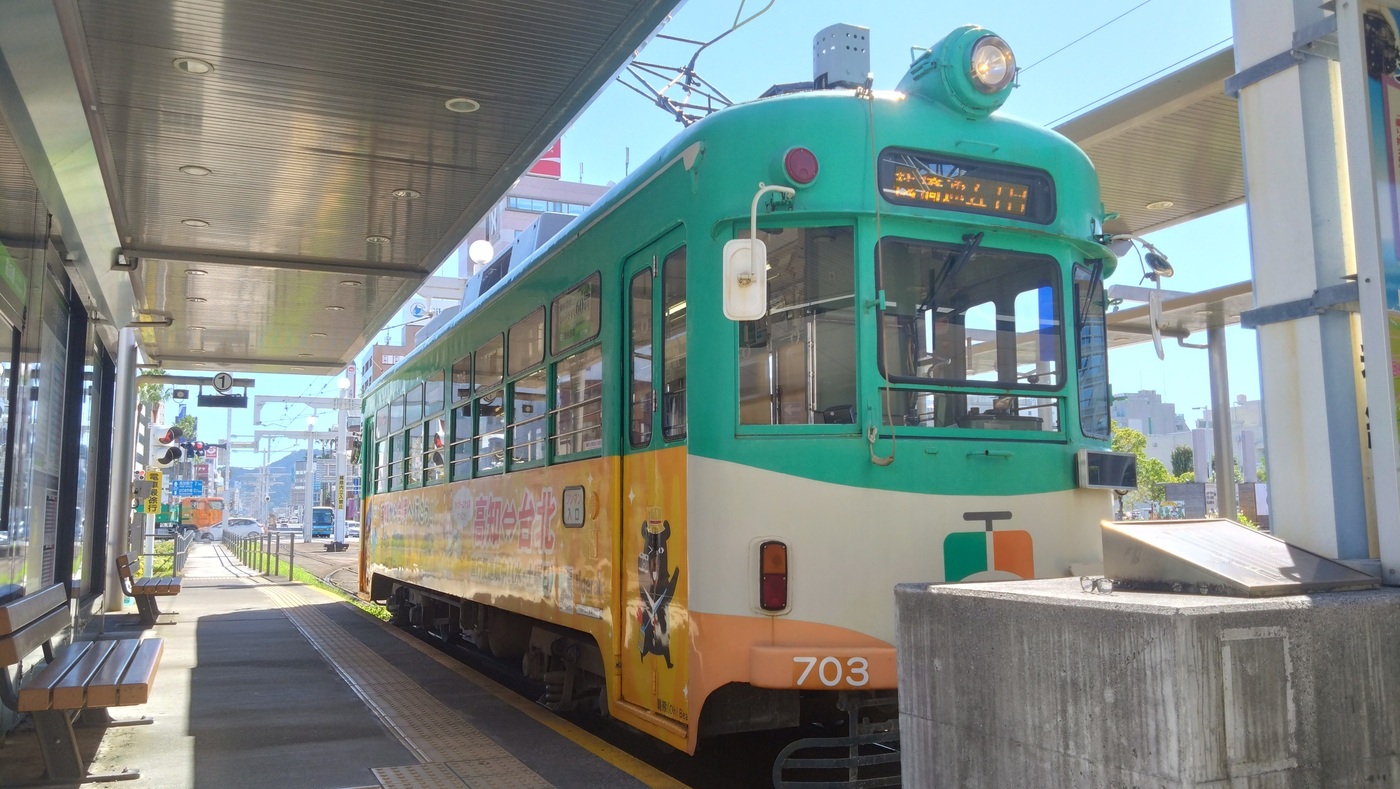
<point>198,513</point>
<point>322,521</point>
<point>690,510</point>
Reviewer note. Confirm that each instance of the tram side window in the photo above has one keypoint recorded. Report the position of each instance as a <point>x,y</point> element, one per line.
<point>391,459</point>
<point>488,442</point>
<point>1093,349</point>
<point>797,364</point>
<point>526,342</point>
<point>578,394</point>
<point>573,316</point>
<point>433,394</point>
<point>413,406</point>
<point>529,416</point>
<point>413,457</point>
<point>673,357</point>
<point>639,415</point>
<point>434,447</point>
<point>396,415</point>
<point>381,468</point>
<point>462,418</point>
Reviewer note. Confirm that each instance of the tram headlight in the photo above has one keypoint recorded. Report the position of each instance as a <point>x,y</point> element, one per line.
<point>971,71</point>
<point>991,66</point>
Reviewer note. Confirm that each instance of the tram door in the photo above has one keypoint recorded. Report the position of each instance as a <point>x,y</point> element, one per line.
<point>655,576</point>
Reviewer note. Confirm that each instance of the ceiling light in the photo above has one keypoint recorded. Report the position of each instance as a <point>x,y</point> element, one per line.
<point>334,307</point>
<point>377,239</point>
<point>1159,205</point>
<point>407,194</point>
<point>304,355</point>
<point>196,299</point>
<point>298,368</point>
<point>200,364</point>
<point>318,334</point>
<point>196,328</point>
<point>462,104</point>
<point>196,350</point>
<point>192,65</point>
<point>198,272</point>
<point>194,169</point>
<point>351,283</point>
<point>194,223</point>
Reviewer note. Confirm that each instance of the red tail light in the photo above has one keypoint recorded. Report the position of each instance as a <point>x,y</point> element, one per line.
<point>772,576</point>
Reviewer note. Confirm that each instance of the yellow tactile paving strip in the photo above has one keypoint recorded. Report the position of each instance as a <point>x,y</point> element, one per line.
<point>453,754</point>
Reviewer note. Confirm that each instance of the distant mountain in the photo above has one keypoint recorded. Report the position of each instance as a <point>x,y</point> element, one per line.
<point>282,475</point>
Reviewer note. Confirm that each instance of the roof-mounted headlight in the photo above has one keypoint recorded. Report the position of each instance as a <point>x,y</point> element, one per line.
<point>991,66</point>
<point>971,71</point>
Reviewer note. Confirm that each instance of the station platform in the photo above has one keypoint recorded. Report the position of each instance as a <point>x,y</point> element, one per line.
<point>270,683</point>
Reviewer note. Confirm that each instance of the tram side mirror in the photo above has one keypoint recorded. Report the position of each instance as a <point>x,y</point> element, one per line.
<point>745,279</point>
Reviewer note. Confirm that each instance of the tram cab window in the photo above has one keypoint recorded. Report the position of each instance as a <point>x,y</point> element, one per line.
<point>381,468</point>
<point>413,406</point>
<point>391,459</point>
<point>490,364</point>
<point>960,316</point>
<point>1093,349</point>
<point>574,316</point>
<point>797,364</point>
<point>525,345</point>
<point>396,415</point>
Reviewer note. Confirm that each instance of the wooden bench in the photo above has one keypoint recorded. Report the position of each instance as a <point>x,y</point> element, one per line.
<point>83,677</point>
<point>145,590</point>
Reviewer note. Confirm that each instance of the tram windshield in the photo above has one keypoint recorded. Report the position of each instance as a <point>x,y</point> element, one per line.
<point>967,315</point>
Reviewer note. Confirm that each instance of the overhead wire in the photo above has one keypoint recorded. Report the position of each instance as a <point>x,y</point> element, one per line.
<point>1134,84</point>
<point>1081,38</point>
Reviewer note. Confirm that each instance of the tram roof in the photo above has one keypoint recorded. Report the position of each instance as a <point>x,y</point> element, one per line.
<point>312,116</point>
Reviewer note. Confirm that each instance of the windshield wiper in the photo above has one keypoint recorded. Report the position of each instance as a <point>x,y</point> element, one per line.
<point>1095,283</point>
<point>971,242</point>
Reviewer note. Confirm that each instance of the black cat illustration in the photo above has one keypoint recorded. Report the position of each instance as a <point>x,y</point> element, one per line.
<point>658,585</point>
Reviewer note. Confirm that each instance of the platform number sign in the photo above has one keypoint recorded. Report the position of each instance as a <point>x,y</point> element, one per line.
<point>223,382</point>
<point>151,504</point>
<point>573,505</point>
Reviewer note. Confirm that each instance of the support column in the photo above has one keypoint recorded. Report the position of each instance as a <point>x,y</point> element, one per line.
<point>1297,198</point>
<point>1225,499</point>
<point>123,453</point>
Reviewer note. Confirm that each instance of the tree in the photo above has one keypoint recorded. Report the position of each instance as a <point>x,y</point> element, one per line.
<point>151,394</point>
<point>1262,472</point>
<point>189,425</point>
<point>1152,473</point>
<point>1183,460</point>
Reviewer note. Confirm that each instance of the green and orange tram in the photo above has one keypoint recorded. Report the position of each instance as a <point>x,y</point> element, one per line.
<point>674,463</point>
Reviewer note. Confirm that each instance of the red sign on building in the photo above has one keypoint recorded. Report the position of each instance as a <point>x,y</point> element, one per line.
<point>551,164</point>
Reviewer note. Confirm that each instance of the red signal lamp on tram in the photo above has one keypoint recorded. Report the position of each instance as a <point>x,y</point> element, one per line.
<point>772,576</point>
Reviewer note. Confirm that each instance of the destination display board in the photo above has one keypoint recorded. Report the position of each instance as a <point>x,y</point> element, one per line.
<point>954,184</point>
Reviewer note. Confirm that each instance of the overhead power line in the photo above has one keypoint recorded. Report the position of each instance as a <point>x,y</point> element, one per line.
<point>1086,35</point>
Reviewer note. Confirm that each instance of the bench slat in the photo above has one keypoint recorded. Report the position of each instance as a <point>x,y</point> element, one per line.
<point>30,638</point>
<point>70,693</point>
<point>102,687</point>
<point>18,613</point>
<point>140,674</point>
<point>37,694</point>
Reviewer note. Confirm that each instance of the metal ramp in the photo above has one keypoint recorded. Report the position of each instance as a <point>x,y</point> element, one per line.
<point>1218,557</point>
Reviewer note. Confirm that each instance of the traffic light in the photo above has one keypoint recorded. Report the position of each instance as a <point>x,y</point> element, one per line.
<point>170,439</point>
<point>199,449</point>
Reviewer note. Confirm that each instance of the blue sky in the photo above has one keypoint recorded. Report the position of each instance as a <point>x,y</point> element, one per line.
<point>1150,37</point>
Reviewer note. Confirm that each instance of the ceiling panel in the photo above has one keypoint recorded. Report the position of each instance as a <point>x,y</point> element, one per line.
<point>313,114</point>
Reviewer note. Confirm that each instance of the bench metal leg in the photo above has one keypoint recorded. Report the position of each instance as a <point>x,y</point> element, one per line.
<point>63,763</point>
<point>59,745</point>
<point>146,606</point>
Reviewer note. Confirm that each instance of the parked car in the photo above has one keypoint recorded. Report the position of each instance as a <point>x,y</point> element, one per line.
<point>352,529</point>
<point>237,528</point>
